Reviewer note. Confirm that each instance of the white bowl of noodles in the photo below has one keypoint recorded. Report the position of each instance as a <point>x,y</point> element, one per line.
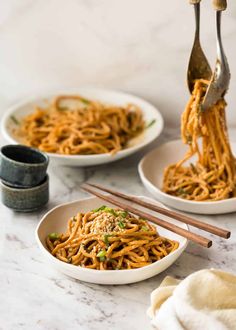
<point>151,171</point>
<point>55,221</point>
<point>152,118</point>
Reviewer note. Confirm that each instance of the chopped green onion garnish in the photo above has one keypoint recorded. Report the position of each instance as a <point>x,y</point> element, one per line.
<point>102,258</point>
<point>106,240</point>
<point>13,118</point>
<point>121,224</point>
<point>152,122</point>
<point>145,228</point>
<point>110,210</point>
<point>84,101</point>
<point>101,208</point>
<point>106,209</point>
<point>53,236</point>
<point>181,191</point>
<point>101,253</point>
<point>124,214</point>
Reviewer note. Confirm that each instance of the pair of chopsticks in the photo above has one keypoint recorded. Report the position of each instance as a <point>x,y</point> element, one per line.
<point>121,202</point>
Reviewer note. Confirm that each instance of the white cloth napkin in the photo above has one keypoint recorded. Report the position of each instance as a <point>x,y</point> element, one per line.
<point>203,300</point>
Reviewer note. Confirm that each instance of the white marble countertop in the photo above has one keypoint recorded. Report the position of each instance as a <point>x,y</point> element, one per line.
<point>126,45</point>
<point>35,296</point>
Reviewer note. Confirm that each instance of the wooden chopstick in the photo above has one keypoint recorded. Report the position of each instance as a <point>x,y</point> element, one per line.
<point>172,214</point>
<point>165,224</point>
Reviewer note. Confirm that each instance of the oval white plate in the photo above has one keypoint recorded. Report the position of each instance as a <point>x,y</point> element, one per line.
<point>150,113</point>
<point>56,221</point>
<point>151,169</point>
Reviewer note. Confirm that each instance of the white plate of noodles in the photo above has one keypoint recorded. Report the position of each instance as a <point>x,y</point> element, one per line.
<point>151,171</point>
<point>101,244</point>
<point>197,174</point>
<point>83,126</point>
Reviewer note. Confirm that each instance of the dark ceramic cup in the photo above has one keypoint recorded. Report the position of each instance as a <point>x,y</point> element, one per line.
<point>25,199</point>
<point>22,166</point>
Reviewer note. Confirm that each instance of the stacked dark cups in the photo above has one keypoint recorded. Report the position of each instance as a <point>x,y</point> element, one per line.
<point>24,178</point>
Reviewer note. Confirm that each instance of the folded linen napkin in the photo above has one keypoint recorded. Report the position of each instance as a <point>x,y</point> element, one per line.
<point>203,300</point>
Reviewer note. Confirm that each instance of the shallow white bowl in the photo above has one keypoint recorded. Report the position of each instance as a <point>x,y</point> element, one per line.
<point>151,169</point>
<point>56,221</point>
<point>150,113</point>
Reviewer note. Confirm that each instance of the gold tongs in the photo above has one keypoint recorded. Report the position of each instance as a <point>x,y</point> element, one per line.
<point>199,67</point>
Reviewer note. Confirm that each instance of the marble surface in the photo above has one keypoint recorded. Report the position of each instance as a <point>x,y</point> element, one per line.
<point>138,46</point>
<point>120,44</point>
<point>35,296</point>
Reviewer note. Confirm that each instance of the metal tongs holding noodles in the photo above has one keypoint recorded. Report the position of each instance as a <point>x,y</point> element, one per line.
<point>199,67</point>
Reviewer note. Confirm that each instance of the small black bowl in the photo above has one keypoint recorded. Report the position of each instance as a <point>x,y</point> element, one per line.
<point>22,166</point>
<point>25,199</point>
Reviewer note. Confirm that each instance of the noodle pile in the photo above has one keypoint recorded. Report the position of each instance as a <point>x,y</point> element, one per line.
<point>73,125</point>
<point>213,177</point>
<point>106,239</point>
